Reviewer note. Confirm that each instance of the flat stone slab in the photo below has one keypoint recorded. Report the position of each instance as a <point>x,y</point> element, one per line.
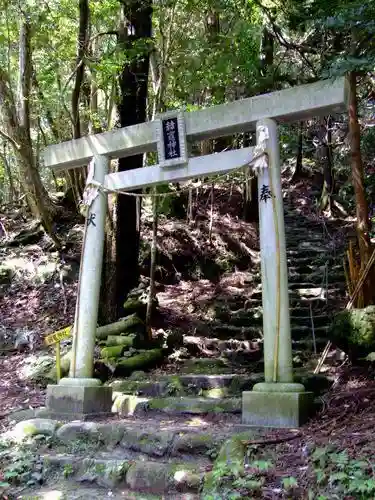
<point>176,406</point>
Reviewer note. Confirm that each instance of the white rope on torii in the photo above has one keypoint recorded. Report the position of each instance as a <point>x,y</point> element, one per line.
<point>93,187</point>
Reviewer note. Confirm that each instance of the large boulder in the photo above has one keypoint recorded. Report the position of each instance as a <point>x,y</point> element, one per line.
<point>354,331</point>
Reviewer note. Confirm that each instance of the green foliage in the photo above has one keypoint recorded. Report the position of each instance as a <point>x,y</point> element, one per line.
<point>230,479</point>
<point>338,474</point>
<point>289,483</point>
<point>68,470</point>
<point>18,465</point>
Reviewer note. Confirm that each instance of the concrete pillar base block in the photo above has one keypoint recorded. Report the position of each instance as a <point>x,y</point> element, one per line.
<point>278,387</point>
<point>276,409</point>
<point>83,382</point>
<point>78,402</point>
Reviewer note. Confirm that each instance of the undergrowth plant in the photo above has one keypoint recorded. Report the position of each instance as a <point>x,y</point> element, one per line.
<point>338,475</point>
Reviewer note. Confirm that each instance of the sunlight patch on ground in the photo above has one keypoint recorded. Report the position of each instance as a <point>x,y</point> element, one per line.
<point>197,422</point>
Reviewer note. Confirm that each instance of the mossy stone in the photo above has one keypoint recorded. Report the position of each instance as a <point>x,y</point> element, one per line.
<point>205,366</point>
<point>231,457</point>
<point>120,340</point>
<point>112,352</point>
<point>354,331</point>
<point>144,360</point>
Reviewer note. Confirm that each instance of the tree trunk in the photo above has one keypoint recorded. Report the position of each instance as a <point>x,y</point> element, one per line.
<point>77,175</point>
<point>121,258</point>
<point>326,158</point>
<point>80,62</point>
<point>362,212</point>
<point>299,158</point>
<point>8,170</point>
<point>16,115</point>
<point>94,125</point>
<point>266,52</point>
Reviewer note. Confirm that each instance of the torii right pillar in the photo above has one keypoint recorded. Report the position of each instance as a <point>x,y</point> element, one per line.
<point>278,401</point>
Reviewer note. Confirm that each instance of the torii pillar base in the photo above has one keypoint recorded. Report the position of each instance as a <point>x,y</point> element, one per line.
<point>79,399</point>
<point>277,405</point>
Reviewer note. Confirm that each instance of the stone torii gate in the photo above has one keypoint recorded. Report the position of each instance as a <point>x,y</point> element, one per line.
<point>277,402</point>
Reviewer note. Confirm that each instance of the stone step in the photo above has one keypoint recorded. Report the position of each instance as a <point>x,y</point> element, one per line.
<point>312,276</point>
<point>255,303</point>
<point>319,320</point>
<point>307,346</point>
<point>298,259</point>
<point>191,384</point>
<point>155,477</point>
<point>303,234</point>
<point>254,332</point>
<point>207,386</point>
<point>248,320</point>
<point>309,285</point>
<point>177,406</point>
<point>316,253</point>
<point>308,268</point>
<point>305,290</point>
<point>316,278</point>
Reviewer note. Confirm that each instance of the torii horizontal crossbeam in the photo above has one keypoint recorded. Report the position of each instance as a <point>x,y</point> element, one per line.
<point>293,104</point>
<point>218,163</point>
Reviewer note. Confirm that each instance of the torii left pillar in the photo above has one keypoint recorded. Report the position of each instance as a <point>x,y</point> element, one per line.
<point>80,396</point>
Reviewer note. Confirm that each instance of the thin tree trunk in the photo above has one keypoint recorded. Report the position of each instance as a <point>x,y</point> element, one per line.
<point>266,59</point>
<point>12,189</point>
<point>326,158</point>
<point>77,175</point>
<point>299,159</point>
<point>94,125</point>
<point>17,118</point>
<point>362,212</point>
<point>80,62</point>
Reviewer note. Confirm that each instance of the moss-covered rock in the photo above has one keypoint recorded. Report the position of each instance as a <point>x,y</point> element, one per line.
<point>141,361</point>
<point>106,473</point>
<point>191,443</point>
<point>120,340</point>
<point>354,331</point>
<point>205,365</point>
<point>194,406</point>
<point>34,427</point>
<point>112,351</point>
<point>230,462</point>
<point>135,306</point>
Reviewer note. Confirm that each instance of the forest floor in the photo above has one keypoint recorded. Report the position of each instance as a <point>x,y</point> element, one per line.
<point>40,299</point>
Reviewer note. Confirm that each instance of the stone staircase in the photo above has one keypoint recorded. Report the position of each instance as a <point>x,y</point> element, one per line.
<point>316,287</point>
<point>164,437</point>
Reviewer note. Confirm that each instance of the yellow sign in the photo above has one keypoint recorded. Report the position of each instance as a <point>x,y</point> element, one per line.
<point>56,337</point>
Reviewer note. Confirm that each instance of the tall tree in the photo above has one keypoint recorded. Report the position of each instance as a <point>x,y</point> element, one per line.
<point>16,114</point>
<point>122,243</point>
